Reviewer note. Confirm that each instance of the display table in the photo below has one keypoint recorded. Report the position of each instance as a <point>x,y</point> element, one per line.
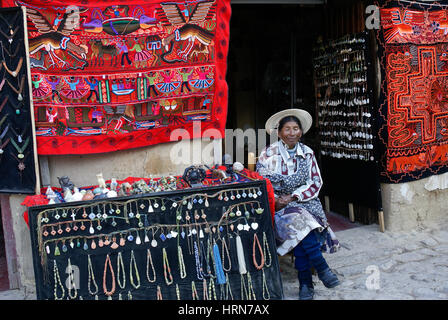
<point>214,243</point>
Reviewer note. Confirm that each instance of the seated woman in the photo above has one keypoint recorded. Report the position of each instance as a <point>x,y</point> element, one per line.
<point>300,221</point>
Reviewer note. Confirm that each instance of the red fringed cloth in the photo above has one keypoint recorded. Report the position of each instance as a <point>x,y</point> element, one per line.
<point>41,199</point>
<point>115,75</point>
<point>413,106</point>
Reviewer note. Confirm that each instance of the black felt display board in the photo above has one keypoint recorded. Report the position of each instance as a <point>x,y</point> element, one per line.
<point>139,204</point>
<point>17,168</point>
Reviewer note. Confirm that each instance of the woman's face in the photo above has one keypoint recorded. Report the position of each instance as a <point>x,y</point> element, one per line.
<point>290,133</point>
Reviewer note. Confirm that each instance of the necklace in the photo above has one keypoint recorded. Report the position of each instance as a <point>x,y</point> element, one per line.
<point>218,266</point>
<point>148,261</point>
<point>228,288</point>
<point>244,295</point>
<point>3,81</point>
<point>120,267</point>
<point>3,145</point>
<point>211,289</point>
<point>159,293</point>
<point>199,269</point>
<point>18,91</point>
<point>19,136</point>
<point>166,268</point>
<point>240,254</point>
<point>254,247</point>
<point>57,281</point>
<point>204,289</point>
<point>134,262</point>
<point>265,287</point>
<point>3,103</point>
<point>91,277</point>
<point>9,53</point>
<point>16,71</point>
<point>11,32</point>
<point>266,251</point>
<point>21,166</point>
<point>71,281</point>
<point>194,292</point>
<point>182,268</point>
<point>225,249</point>
<point>20,150</point>
<point>250,287</point>
<point>177,292</point>
<point>112,290</point>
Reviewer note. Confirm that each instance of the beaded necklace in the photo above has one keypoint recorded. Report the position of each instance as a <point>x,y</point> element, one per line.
<point>250,287</point>
<point>182,268</point>
<point>166,268</point>
<point>149,261</point>
<point>225,250</point>
<point>71,278</point>
<point>194,292</point>
<point>134,263</point>
<point>120,269</point>
<point>265,287</point>
<point>159,293</point>
<point>266,251</point>
<point>57,281</point>
<point>255,244</point>
<point>228,288</point>
<point>91,277</point>
<point>199,270</point>
<point>106,264</point>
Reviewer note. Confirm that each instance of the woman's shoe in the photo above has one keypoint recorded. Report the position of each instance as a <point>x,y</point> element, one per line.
<point>328,278</point>
<point>306,292</point>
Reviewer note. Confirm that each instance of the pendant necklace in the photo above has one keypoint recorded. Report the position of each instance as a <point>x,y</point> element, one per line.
<point>3,145</point>
<point>11,32</point>
<point>19,136</point>
<point>18,91</point>
<point>9,53</point>
<point>21,161</point>
<point>21,149</point>
<point>15,72</point>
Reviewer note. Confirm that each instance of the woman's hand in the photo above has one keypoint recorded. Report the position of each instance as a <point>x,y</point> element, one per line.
<point>283,201</point>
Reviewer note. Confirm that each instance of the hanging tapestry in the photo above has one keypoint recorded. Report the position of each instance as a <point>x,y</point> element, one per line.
<point>413,54</point>
<point>114,75</point>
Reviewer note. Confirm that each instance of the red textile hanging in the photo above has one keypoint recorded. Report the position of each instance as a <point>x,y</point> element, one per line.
<point>414,98</point>
<point>115,75</point>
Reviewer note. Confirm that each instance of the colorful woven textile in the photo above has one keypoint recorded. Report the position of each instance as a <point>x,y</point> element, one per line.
<point>414,106</point>
<point>114,75</point>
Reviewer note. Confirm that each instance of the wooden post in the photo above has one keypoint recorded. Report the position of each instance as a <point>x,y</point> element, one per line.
<point>30,93</point>
<point>251,161</point>
<point>327,203</point>
<point>351,212</point>
<point>381,220</point>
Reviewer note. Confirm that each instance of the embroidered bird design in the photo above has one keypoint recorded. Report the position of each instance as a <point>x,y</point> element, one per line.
<point>171,14</point>
<point>51,40</point>
<point>400,22</point>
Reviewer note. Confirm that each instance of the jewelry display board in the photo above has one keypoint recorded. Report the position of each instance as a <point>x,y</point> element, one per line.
<point>344,98</point>
<point>347,120</point>
<point>17,139</point>
<point>214,243</point>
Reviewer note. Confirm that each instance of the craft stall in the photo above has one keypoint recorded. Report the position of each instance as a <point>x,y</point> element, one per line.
<point>207,240</point>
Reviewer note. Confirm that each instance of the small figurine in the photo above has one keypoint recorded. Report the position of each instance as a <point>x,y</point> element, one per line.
<point>77,196</point>
<point>101,182</point>
<point>66,183</point>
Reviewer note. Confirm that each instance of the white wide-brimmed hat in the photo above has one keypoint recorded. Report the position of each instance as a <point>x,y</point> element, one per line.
<point>306,120</point>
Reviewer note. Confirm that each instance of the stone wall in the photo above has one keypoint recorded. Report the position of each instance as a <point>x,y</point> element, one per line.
<point>415,204</point>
